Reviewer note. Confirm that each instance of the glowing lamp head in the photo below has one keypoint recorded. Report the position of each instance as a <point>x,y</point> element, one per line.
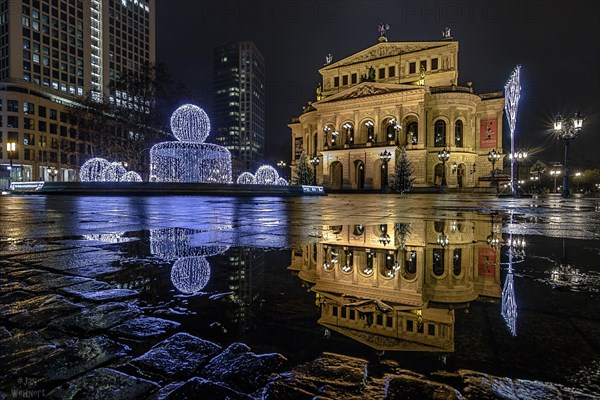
<point>577,120</point>
<point>557,122</point>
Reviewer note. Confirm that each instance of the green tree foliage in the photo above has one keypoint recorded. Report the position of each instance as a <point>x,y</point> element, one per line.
<point>304,171</point>
<point>403,180</point>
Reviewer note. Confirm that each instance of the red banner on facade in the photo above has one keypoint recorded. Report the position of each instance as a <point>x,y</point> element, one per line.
<point>489,133</point>
<point>486,263</point>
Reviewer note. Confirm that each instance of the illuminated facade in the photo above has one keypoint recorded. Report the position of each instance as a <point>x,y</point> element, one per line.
<point>393,95</point>
<point>396,286</point>
<point>239,104</point>
<point>53,52</point>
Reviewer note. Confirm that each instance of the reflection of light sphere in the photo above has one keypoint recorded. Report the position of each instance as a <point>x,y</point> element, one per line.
<point>190,274</point>
<point>266,175</point>
<point>113,172</point>
<point>246,178</point>
<point>282,182</point>
<point>130,176</point>
<point>189,123</point>
<point>92,169</point>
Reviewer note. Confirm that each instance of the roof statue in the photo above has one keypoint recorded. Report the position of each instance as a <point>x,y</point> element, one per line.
<point>328,58</point>
<point>446,33</point>
<point>383,28</point>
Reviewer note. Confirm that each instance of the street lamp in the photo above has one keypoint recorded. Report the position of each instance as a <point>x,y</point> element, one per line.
<point>554,173</point>
<point>520,157</point>
<point>385,156</point>
<point>52,172</point>
<point>315,163</point>
<point>577,178</point>
<point>493,157</point>
<point>396,127</point>
<point>443,156</point>
<point>281,165</point>
<point>10,147</point>
<point>567,131</point>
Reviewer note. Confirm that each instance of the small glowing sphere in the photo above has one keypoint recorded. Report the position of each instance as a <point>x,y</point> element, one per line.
<point>189,123</point>
<point>246,178</point>
<point>113,172</point>
<point>266,175</point>
<point>130,176</point>
<point>92,170</point>
<point>190,274</point>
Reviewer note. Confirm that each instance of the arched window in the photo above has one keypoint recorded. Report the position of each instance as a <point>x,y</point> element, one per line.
<point>438,262</point>
<point>412,132</point>
<point>439,133</point>
<point>410,264</point>
<point>457,262</point>
<point>458,133</point>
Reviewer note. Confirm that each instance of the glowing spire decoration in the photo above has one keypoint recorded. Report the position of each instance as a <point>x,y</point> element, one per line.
<point>509,301</point>
<point>512,93</point>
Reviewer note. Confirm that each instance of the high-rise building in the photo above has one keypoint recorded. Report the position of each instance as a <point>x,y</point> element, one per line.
<point>239,104</point>
<point>52,54</point>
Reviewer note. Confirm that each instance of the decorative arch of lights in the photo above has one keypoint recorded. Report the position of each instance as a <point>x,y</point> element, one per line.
<point>265,175</point>
<point>190,159</point>
<point>246,178</point>
<point>130,176</point>
<point>113,172</point>
<point>100,170</point>
<point>190,275</point>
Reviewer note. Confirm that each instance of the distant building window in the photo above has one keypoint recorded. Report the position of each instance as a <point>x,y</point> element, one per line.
<point>345,80</point>
<point>434,64</point>
<point>431,329</point>
<point>412,68</point>
<point>438,262</point>
<point>423,65</point>
<point>391,72</point>
<point>381,73</point>
<point>409,326</point>
<point>354,78</point>
<point>458,133</point>
<point>439,134</point>
<point>336,81</point>
<point>12,105</point>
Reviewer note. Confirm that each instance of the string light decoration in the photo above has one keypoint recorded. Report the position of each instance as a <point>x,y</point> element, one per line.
<point>113,172</point>
<point>190,159</point>
<point>246,178</point>
<point>190,275</point>
<point>173,243</point>
<point>266,175</point>
<point>282,182</point>
<point>92,170</point>
<point>130,176</point>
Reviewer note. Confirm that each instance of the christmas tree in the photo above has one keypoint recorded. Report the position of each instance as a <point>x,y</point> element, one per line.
<point>304,172</point>
<point>403,180</point>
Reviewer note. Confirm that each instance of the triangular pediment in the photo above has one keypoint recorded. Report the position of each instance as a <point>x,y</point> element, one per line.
<point>385,49</point>
<point>366,89</point>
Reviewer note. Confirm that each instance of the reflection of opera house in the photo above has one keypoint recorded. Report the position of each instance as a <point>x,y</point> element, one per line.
<point>395,286</point>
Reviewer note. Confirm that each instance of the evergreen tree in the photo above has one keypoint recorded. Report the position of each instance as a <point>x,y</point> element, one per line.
<point>304,171</point>
<point>403,180</point>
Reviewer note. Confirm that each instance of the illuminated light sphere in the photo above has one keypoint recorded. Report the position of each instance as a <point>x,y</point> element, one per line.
<point>282,182</point>
<point>190,274</point>
<point>189,123</point>
<point>113,172</point>
<point>246,178</point>
<point>92,170</point>
<point>266,175</point>
<point>130,176</point>
<point>190,160</point>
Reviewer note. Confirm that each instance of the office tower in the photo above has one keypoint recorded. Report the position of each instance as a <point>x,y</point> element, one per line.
<point>239,104</point>
<point>53,53</point>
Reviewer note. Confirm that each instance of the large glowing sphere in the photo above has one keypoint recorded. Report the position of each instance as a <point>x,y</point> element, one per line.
<point>130,176</point>
<point>266,175</point>
<point>92,170</point>
<point>189,123</point>
<point>113,172</point>
<point>246,178</point>
<point>190,274</point>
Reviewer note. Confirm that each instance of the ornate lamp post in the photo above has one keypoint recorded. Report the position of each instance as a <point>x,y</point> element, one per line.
<point>493,157</point>
<point>567,131</point>
<point>349,136</point>
<point>385,156</point>
<point>52,172</point>
<point>520,157</point>
<point>443,156</point>
<point>554,173</point>
<point>281,165</point>
<point>315,163</point>
<point>10,147</point>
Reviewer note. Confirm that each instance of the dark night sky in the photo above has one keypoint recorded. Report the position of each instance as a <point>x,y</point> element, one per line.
<point>556,42</point>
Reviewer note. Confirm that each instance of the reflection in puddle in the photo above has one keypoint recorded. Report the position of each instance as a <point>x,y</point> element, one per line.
<point>395,286</point>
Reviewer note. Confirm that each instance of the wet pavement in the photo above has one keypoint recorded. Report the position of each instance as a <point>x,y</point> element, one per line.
<point>150,292</point>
